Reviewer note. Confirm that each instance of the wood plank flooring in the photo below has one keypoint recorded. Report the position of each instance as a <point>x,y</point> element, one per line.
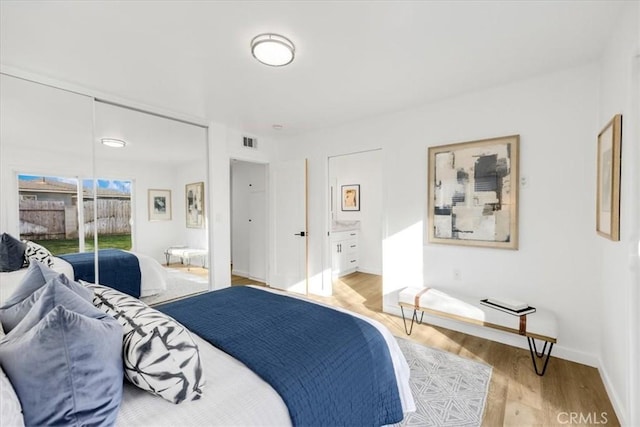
<point>517,396</point>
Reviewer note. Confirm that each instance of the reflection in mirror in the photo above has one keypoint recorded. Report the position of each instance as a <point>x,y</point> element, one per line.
<point>45,153</point>
<point>151,198</point>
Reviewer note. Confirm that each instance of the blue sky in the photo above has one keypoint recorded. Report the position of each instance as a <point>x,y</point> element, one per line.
<point>113,184</point>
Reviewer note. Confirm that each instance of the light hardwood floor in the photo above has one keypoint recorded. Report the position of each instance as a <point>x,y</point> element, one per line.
<point>517,396</point>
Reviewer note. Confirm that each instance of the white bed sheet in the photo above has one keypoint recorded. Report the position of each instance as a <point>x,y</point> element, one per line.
<point>153,276</point>
<point>9,281</point>
<point>234,395</point>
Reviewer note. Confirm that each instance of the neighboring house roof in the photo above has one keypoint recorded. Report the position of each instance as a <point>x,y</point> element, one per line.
<point>48,186</point>
<point>45,186</point>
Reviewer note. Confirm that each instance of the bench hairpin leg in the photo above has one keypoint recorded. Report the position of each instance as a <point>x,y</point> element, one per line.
<point>534,353</point>
<point>414,318</point>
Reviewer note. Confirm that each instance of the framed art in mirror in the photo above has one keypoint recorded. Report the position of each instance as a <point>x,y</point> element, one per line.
<point>159,205</point>
<point>194,195</point>
<point>351,197</point>
<point>608,191</point>
<point>473,193</point>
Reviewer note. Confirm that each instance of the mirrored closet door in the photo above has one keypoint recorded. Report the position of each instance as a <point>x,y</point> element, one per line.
<point>67,187</point>
<point>151,175</point>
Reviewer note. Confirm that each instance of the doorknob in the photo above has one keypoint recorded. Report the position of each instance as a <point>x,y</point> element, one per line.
<point>302,234</point>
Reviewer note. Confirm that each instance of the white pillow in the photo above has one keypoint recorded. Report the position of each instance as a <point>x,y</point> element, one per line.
<point>159,354</point>
<point>36,252</point>
<point>10,408</point>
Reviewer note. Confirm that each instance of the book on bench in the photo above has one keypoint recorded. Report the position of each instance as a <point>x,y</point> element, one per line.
<point>521,312</point>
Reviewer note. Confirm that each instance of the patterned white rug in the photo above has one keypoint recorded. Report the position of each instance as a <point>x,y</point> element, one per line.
<point>448,390</point>
<point>179,284</point>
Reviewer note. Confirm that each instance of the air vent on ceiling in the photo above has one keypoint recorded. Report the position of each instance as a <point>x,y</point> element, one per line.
<point>249,142</point>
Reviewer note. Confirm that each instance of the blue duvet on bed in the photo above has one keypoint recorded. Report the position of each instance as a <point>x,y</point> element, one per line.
<point>329,367</point>
<point>117,269</point>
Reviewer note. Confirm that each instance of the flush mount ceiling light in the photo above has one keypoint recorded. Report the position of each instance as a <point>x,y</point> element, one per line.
<point>272,49</point>
<point>113,143</point>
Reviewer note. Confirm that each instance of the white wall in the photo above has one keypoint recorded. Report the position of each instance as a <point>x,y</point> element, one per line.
<point>619,275</point>
<point>364,169</point>
<point>555,266</point>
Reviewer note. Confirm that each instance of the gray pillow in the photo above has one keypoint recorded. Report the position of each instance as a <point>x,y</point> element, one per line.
<point>11,316</point>
<point>36,276</point>
<point>65,363</point>
<point>11,253</point>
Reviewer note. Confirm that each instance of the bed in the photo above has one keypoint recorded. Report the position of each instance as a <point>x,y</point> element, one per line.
<point>233,394</point>
<point>153,276</point>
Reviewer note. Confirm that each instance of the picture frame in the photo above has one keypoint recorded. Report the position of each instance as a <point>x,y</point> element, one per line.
<point>159,203</point>
<point>608,184</point>
<point>194,203</point>
<point>350,197</point>
<point>473,193</point>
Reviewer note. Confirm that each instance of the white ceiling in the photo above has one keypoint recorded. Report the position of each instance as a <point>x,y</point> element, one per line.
<point>354,59</point>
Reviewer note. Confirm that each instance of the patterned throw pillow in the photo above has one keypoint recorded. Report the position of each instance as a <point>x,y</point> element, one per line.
<point>36,252</point>
<point>159,354</point>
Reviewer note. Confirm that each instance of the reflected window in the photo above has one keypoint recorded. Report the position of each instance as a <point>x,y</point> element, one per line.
<point>51,215</point>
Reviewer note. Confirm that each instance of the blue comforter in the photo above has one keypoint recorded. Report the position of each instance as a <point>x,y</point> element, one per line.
<point>117,269</point>
<point>329,367</point>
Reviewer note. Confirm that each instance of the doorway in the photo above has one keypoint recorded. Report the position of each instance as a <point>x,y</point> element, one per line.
<point>248,220</point>
<point>355,213</point>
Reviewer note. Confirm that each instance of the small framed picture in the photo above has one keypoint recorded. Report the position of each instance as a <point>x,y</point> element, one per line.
<point>159,205</point>
<point>351,197</point>
<point>194,199</point>
<point>608,193</point>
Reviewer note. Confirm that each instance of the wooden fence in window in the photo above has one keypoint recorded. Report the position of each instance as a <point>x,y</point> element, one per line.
<point>51,220</point>
<point>114,217</point>
<point>42,220</point>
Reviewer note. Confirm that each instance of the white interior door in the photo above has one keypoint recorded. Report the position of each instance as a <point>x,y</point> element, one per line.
<point>257,236</point>
<point>288,218</point>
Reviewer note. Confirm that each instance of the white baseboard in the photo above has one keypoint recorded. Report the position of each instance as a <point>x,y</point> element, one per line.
<point>240,273</point>
<point>614,397</point>
<point>375,271</point>
<point>498,336</point>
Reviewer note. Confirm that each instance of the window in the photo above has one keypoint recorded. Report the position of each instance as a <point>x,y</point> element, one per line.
<point>51,215</point>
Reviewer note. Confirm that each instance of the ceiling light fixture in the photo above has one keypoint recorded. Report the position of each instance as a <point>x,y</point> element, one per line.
<point>113,143</point>
<point>272,49</point>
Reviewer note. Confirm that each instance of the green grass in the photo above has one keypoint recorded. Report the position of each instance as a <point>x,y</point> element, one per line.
<point>65,246</point>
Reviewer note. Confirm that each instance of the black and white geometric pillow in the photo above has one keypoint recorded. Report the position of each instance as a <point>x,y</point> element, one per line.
<point>159,354</point>
<point>36,252</point>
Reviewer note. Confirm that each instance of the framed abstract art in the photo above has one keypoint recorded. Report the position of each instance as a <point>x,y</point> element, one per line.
<point>473,193</point>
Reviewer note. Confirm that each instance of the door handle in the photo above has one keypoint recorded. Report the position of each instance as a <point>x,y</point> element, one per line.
<point>301,234</point>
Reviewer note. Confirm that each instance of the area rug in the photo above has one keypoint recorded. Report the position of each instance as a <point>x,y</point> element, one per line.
<point>179,285</point>
<point>448,390</point>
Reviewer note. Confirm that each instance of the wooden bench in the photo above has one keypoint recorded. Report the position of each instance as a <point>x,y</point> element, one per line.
<point>540,325</point>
